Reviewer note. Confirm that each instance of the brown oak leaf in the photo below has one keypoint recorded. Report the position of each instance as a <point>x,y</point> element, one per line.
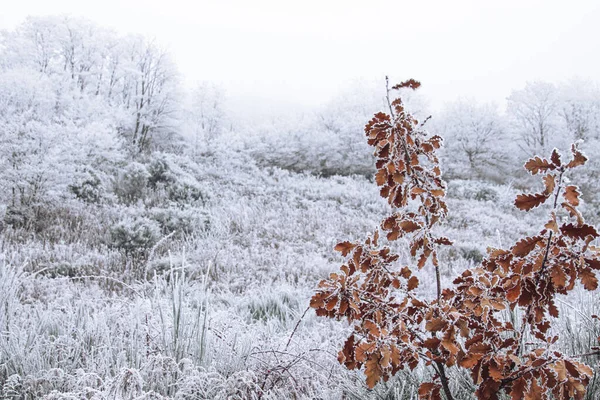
<point>526,202</point>
<point>344,247</point>
<point>537,164</point>
<point>578,157</point>
<point>579,232</point>
<point>572,195</point>
<point>525,246</point>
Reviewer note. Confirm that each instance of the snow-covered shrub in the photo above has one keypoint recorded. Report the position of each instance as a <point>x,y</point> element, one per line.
<point>18,216</point>
<point>159,172</point>
<point>486,194</point>
<point>181,221</point>
<point>38,217</point>
<point>170,175</point>
<point>135,235</point>
<point>131,183</point>
<point>185,192</point>
<point>88,187</point>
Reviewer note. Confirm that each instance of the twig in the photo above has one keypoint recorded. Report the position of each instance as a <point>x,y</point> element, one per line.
<point>296,327</point>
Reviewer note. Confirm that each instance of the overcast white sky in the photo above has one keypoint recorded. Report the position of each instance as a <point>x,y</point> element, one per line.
<point>305,51</point>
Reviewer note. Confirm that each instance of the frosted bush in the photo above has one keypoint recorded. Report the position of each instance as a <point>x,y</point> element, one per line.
<point>131,183</point>
<point>179,221</point>
<point>87,187</point>
<point>135,235</point>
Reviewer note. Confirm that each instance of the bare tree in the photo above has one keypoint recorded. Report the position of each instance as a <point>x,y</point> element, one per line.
<point>475,137</point>
<point>580,109</point>
<point>533,111</point>
<point>207,113</point>
<point>149,89</point>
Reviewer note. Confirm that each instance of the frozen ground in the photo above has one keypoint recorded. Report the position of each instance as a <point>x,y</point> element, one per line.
<point>209,313</point>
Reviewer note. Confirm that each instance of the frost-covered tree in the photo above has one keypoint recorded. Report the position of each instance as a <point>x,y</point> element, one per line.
<point>58,128</point>
<point>32,44</point>
<point>476,139</point>
<point>206,116</point>
<point>579,113</point>
<point>149,91</point>
<point>533,112</point>
<point>579,109</point>
<point>34,161</point>
<point>130,78</point>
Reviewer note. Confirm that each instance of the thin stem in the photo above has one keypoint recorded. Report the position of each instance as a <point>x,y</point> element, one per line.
<point>543,266</point>
<point>439,284</point>
<point>444,379</point>
<point>440,365</point>
<point>296,327</point>
<point>387,97</point>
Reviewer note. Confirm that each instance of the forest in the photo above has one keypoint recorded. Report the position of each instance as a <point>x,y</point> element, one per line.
<point>156,243</point>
